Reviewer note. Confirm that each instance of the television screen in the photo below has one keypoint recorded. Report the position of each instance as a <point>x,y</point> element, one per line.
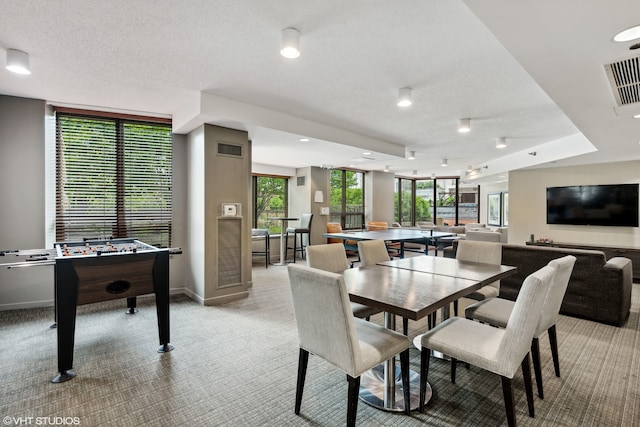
<point>615,205</point>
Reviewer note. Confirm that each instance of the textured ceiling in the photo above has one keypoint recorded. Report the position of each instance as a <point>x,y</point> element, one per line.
<point>497,62</point>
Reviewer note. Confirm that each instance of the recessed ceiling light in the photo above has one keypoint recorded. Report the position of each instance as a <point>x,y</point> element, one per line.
<point>628,34</point>
<point>366,153</point>
<point>637,116</point>
<point>411,155</point>
<point>304,139</point>
<point>501,142</point>
<point>464,126</point>
<point>444,162</point>
<point>404,97</point>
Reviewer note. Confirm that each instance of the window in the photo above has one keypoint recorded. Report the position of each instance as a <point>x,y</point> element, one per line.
<point>269,200</point>
<point>442,201</point>
<point>113,177</point>
<point>347,198</point>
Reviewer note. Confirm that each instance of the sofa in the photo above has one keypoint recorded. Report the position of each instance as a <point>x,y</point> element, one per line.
<point>598,290</point>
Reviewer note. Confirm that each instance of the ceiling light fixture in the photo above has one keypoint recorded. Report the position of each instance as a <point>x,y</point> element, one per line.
<point>18,61</point>
<point>637,116</point>
<point>304,139</point>
<point>415,172</point>
<point>290,43</point>
<point>501,142</point>
<point>628,34</point>
<point>445,162</point>
<point>404,97</point>
<point>386,168</point>
<point>469,168</point>
<point>412,155</point>
<point>433,176</point>
<point>464,126</point>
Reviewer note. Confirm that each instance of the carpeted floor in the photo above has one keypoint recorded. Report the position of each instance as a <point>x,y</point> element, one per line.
<point>235,365</point>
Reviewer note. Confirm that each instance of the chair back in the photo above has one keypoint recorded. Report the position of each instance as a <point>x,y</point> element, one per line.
<point>372,252</point>
<point>479,251</point>
<point>331,257</point>
<point>551,310</point>
<point>305,221</point>
<point>484,236</point>
<point>524,319</point>
<point>334,227</point>
<point>323,314</point>
<point>377,225</point>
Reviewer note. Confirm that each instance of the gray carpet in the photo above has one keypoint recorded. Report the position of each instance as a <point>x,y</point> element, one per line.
<point>235,365</point>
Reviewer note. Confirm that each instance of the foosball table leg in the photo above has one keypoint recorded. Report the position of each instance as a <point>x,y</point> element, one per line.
<point>131,306</point>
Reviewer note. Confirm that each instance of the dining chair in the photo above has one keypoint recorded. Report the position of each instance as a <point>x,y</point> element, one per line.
<point>333,258</point>
<point>350,246</point>
<point>303,230</point>
<point>479,251</point>
<point>392,247</point>
<point>496,350</point>
<point>328,329</point>
<point>373,252</point>
<point>496,312</point>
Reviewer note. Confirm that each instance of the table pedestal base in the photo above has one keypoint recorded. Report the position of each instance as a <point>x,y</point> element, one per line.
<point>372,390</point>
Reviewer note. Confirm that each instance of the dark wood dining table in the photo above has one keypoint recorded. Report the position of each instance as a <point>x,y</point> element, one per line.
<point>411,289</point>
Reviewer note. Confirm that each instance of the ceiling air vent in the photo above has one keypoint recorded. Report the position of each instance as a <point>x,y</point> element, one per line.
<point>624,77</point>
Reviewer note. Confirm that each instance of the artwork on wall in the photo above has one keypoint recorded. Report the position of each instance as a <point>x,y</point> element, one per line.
<point>494,209</point>
<point>505,209</point>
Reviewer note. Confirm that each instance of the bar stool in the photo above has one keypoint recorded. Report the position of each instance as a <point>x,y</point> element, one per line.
<point>305,228</point>
<point>259,234</point>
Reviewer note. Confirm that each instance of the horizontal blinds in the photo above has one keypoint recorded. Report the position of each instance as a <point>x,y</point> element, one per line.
<point>113,179</point>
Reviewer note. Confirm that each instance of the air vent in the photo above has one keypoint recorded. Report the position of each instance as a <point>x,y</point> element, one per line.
<point>624,77</point>
<point>301,180</point>
<point>229,149</point>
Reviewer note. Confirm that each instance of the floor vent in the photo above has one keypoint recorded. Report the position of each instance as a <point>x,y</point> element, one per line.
<point>624,77</point>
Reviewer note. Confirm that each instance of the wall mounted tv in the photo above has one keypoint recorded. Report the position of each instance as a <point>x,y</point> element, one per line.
<point>615,205</point>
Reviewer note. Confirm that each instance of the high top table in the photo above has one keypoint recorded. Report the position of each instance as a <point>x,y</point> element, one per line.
<point>401,235</point>
<point>283,244</point>
<point>414,294</point>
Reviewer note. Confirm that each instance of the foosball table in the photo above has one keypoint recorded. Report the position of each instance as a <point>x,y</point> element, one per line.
<point>100,270</point>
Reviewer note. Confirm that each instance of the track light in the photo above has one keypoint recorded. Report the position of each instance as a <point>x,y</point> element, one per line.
<point>290,43</point>
<point>464,126</point>
<point>386,168</point>
<point>433,176</point>
<point>404,97</point>
<point>18,61</point>
<point>501,142</point>
<point>412,155</point>
<point>469,168</point>
<point>415,172</point>
<point>444,162</point>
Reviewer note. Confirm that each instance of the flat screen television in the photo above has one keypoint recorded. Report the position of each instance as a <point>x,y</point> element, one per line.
<point>614,205</point>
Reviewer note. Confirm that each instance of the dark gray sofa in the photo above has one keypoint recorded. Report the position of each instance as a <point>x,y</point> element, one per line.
<point>598,290</point>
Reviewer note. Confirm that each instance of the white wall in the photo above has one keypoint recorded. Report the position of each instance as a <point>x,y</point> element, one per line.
<point>527,204</point>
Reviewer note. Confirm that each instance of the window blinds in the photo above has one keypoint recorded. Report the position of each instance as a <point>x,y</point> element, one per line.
<point>113,179</point>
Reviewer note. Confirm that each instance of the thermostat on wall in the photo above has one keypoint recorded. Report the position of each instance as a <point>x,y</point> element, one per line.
<point>231,209</point>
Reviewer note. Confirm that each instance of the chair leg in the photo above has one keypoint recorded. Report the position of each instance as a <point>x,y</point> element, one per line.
<point>405,326</point>
<point>425,356</point>
<point>404,367</point>
<point>455,308</point>
<point>553,341</point>
<point>507,392</point>
<point>352,400</point>
<point>286,248</point>
<point>295,246</point>
<point>528,388</point>
<point>303,359</point>
<point>537,369</point>
<point>454,363</point>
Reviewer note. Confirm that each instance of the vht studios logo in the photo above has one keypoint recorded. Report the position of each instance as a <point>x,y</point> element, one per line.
<point>41,421</point>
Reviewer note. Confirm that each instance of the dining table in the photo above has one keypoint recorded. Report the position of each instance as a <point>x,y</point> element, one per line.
<point>411,289</point>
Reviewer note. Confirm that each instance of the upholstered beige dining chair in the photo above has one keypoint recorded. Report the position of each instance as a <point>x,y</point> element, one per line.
<point>496,350</point>
<point>327,329</point>
<point>479,251</point>
<point>371,253</point>
<point>333,258</point>
<point>496,312</point>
